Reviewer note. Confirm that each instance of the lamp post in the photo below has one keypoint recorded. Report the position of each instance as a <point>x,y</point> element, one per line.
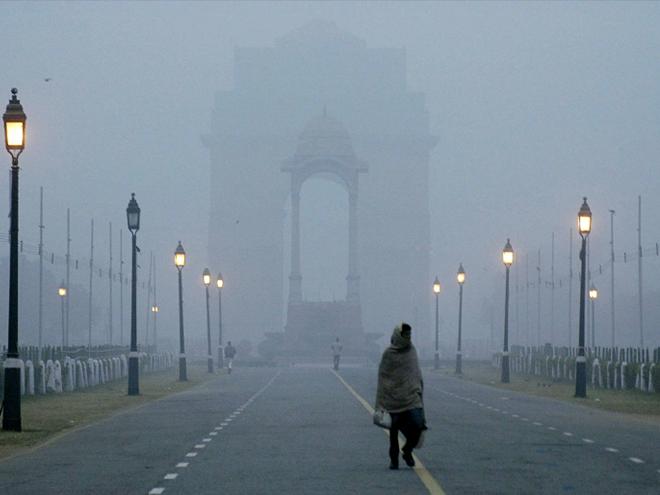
<point>133,219</point>
<point>61,291</point>
<point>180,262</point>
<point>593,295</point>
<point>436,291</point>
<point>155,309</point>
<point>14,122</point>
<point>460,278</point>
<point>507,259</point>
<point>220,283</point>
<point>206,278</point>
<point>584,227</point>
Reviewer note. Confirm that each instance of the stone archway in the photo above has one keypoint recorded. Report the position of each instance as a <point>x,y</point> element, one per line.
<point>324,148</point>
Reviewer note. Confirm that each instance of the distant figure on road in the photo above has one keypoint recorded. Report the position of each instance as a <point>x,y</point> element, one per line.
<point>336,353</point>
<point>399,392</point>
<point>230,352</point>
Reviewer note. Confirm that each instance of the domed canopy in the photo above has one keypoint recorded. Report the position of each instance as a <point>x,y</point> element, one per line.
<point>324,136</point>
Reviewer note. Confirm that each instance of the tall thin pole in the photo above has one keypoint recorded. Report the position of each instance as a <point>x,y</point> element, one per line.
<point>133,363</point>
<point>146,332</point>
<point>68,270</point>
<point>581,371</point>
<point>183,375</point>
<point>220,350</point>
<point>639,268</point>
<point>570,289</point>
<point>612,278</point>
<point>459,357</point>
<point>155,332</point>
<point>518,340</point>
<point>41,266</point>
<point>437,352</point>
<point>593,323</point>
<point>11,418</point>
<point>538,300</point>
<point>110,283</point>
<point>91,279</point>
<point>505,353</point>
<point>121,287</point>
<point>208,333</point>
<point>527,333</point>
<point>552,291</point>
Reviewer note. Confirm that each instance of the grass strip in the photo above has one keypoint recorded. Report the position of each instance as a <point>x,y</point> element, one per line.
<point>634,402</point>
<point>45,417</point>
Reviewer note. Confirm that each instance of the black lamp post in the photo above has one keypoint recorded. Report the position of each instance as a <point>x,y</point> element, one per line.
<point>221,284</point>
<point>584,227</point>
<point>180,262</point>
<point>436,291</point>
<point>507,259</point>
<point>133,219</point>
<point>206,278</point>
<point>14,120</point>
<point>460,278</point>
<point>61,291</point>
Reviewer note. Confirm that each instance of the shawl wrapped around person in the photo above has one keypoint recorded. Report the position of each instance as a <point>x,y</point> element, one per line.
<point>400,382</point>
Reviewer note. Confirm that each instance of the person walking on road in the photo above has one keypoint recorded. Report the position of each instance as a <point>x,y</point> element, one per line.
<point>336,353</point>
<point>399,392</point>
<point>230,352</point>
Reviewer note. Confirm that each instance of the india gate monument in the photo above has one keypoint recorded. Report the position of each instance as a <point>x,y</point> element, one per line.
<point>320,103</point>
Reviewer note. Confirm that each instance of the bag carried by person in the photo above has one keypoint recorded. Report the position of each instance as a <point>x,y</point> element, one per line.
<point>382,418</point>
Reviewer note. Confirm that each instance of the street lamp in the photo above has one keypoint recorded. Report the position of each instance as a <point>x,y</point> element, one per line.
<point>155,309</point>
<point>61,291</point>
<point>14,121</point>
<point>460,278</point>
<point>593,295</point>
<point>133,219</point>
<point>436,291</point>
<point>507,259</point>
<point>220,283</point>
<point>180,262</point>
<point>206,278</point>
<point>584,227</point>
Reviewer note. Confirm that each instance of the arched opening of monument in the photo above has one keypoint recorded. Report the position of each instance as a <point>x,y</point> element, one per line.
<point>324,239</point>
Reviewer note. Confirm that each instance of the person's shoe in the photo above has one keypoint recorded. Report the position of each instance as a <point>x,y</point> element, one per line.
<point>394,465</point>
<point>407,456</point>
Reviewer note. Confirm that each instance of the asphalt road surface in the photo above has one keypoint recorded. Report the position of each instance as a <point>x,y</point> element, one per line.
<point>306,430</point>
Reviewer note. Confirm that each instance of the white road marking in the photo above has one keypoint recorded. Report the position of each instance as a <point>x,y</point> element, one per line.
<point>568,434</point>
<point>200,446</point>
<point>156,491</point>
<point>207,440</point>
<point>191,454</point>
<point>610,449</point>
<point>182,465</point>
<point>170,476</point>
<point>515,416</point>
<point>524,419</point>
<point>496,410</point>
<point>587,440</point>
<point>218,428</point>
<point>213,433</point>
<point>224,423</point>
<point>229,419</point>
<point>636,460</point>
<point>552,428</point>
<point>536,423</point>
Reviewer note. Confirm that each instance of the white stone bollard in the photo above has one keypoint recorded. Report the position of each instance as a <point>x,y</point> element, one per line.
<point>58,377</point>
<point>41,377</point>
<point>651,387</point>
<point>124,365</point>
<point>595,373</point>
<point>80,381</point>
<point>29,377</point>
<point>50,376</point>
<point>68,375</point>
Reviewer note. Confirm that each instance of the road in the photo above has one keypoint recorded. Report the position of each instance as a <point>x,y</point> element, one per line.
<point>307,430</point>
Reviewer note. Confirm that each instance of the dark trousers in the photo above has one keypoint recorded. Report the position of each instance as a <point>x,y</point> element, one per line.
<point>411,423</point>
<point>335,360</point>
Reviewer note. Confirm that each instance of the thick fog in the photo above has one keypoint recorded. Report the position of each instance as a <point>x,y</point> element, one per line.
<point>533,106</point>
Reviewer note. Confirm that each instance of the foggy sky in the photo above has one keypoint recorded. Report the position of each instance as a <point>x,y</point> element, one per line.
<point>534,105</point>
